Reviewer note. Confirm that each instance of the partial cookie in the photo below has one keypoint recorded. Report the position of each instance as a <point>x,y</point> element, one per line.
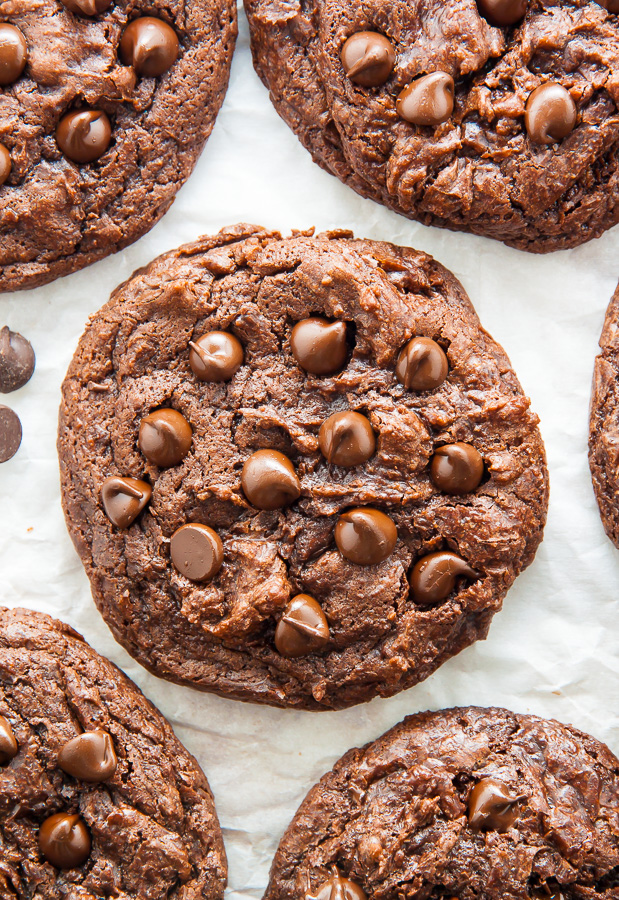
<point>97,796</point>
<point>105,106</point>
<point>604,423</point>
<point>458,804</point>
<point>499,118</point>
<point>297,471</point>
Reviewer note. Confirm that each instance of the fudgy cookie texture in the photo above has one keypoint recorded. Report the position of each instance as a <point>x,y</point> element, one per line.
<point>460,803</point>
<point>604,423</point>
<point>97,796</point>
<point>105,106</point>
<point>434,108</point>
<point>360,471</point>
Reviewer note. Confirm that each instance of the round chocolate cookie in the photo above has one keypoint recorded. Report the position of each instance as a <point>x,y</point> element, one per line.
<point>297,471</point>
<point>497,117</point>
<point>459,803</point>
<point>97,796</point>
<point>604,423</point>
<point>105,106</point>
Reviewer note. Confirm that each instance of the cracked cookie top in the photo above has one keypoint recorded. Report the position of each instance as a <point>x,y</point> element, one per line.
<point>297,470</point>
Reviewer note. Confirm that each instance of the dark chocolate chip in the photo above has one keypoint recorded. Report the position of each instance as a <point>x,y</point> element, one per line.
<point>491,806</point>
<point>84,135</point>
<point>8,744</point>
<point>346,439</point>
<point>503,12</point>
<point>368,58</point>
<point>87,7</point>
<point>302,629</point>
<point>13,53</point>
<point>124,499</point>
<point>429,100</point>
<point>550,114</point>
<point>196,551</point>
<point>10,433</point>
<point>457,468</point>
<point>89,756</point>
<point>64,841</point>
<point>5,164</point>
<point>165,437</point>
<point>337,888</point>
<point>16,361</point>
<point>269,480</point>
<point>422,365</point>
<point>434,576</point>
<point>319,346</point>
<point>149,45</point>
<point>365,536</point>
<point>216,356</point>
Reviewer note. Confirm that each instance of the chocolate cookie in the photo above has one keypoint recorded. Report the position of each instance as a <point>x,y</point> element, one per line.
<point>499,118</point>
<point>105,106</point>
<point>459,803</point>
<point>97,797</point>
<point>604,423</point>
<point>297,471</point>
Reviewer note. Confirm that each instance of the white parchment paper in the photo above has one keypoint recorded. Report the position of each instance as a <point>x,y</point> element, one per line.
<point>553,650</point>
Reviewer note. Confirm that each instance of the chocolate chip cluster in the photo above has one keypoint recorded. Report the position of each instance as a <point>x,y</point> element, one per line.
<point>149,45</point>
<point>364,535</point>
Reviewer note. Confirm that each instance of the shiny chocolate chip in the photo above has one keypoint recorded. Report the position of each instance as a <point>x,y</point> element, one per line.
<point>612,6</point>
<point>16,361</point>
<point>87,7</point>
<point>8,744</point>
<point>269,480</point>
<point>503,12</point>
<point>550,114</point>
<point>13,53</point>
<point>422,365</point>
<point>368,58</point>
<point>429,100</point>
<point>346,439</point>
<point>124,499</point>
<point>434,576</point>
<point>89,756</point>
<point>491,806</point>
<point>319,346</point>
<point>149,45</point>
<point>302,629</point>
<point>457,468</point>
<point>365,536</point>
<point>84,135</point>
<point>5,164</point>
<point>10,433</point>
<point>196,551</point>
<point>337,888</point>
<point>64,841</point>
<point>165,437</point>
<point>216,356</point>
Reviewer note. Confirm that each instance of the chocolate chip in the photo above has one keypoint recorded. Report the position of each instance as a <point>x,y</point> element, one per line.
<point>434,576</point>
<point>365,536</point>
<point>124,499</point>
<point>84,135</point>
<point>8,744</point>
<point>422,365</point>
<point>612,6</point>
<point>302,629</point>
<point>337,888</point>
<point>457,468</point>
<point>269,480</point>
<point>16,361</point>
<point>319,346</point>
<point>10,433</point>
<point>503,12</point>
<point>346,439</point>
<point>5,164</point>
<point>13,53</point>
<point>64,841</point>
<point>149,45</point>
<point>196,551</point>
<point>429,100</point>
<point>87,7</point>
<point>368,58</point>
<point>550,114</point>
<point>165,437</point>
<point>491,806</point>
<point>89,756</point>
<point>216,356</point>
